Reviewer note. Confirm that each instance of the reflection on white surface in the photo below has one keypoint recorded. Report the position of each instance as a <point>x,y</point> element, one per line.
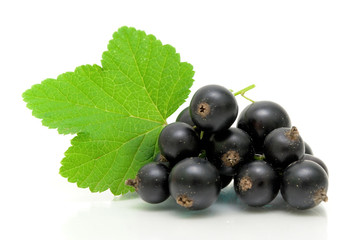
<point>128,217</point>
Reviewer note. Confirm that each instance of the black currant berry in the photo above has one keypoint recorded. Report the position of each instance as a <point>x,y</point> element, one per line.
<point>304,184</point>
<point>317,160</point>
<point>184,116</point>
<point>194,183</point>
<point>283,146</point>
<point>177,141</point>
<point>213,108</point>
<point>228,149</point>
<point>151,182</point>
<point>256,183</point>
<point>260,118</point>
<point>308,149</point>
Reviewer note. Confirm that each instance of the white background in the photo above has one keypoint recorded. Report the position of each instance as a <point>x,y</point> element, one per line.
<point>305,55</point>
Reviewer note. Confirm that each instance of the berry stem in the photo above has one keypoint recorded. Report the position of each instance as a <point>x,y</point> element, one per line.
<point>259,157</point>
<point>243,91</point>
<point>202,154</point>
<point>201,135</point>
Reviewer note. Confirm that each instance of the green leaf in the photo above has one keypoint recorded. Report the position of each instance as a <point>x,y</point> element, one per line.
<point>117,110</point>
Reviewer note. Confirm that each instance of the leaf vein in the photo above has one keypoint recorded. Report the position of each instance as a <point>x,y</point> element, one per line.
<point>142,79</point>
<point>103,155</point>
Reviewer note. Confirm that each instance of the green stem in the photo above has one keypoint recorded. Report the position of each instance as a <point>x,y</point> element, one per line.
<point>259,157</point>
<point>202,154</point>
<point>243,91</point>
<point>201,135</point>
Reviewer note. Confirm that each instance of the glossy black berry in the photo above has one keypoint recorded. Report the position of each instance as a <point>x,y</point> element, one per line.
<point>151,182</point>
<point>256,183</point>
<point>213,108</point>
<point>184,116</point>
<point>308,149</point>
<point>229,149</point>
<point>317,160</point>
<point>304,184</point>
<point>260,118</point>
<point>283,146</point>
<point>194,183</point>
<point>177,141</point>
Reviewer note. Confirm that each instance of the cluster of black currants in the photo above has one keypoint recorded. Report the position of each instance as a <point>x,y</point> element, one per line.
<point>201,153</point>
